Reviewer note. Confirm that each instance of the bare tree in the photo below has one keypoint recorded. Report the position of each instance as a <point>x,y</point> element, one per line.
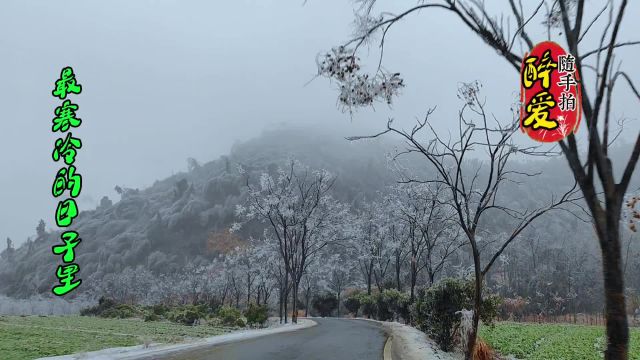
<point>244,260</point>
<point>364,246</point>
<point>369,244</point>
<point>267,277</point>
<point>399,250</point>
<point>593,171</point>
<point>339,274</point>
<point>472,186</point>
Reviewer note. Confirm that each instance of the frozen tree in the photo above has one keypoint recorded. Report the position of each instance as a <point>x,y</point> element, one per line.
<point>398,243</point>
<point>312,281</point>
<point>339,273</point>
<point>194,280</point>
<point>264,256</point>
<point>276,272</point>
<point>244,261</point>
<point>299,213</point>
<point>383,246</point>
<point>40,229</point>
<point>128,286</point>
<point>235,280</point>
<point>369,244</point>
<point>432,236</point>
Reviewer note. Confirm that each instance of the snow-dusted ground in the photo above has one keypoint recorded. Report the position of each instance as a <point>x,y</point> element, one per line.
<point>409,343</point>
<point>139,351</point>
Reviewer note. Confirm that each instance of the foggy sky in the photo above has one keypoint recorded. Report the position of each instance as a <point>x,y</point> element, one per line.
<point>165,80</point>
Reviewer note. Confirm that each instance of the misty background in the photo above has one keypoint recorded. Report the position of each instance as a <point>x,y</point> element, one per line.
<point>167,80</point>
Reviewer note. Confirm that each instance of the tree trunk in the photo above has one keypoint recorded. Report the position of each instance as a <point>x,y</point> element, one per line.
<point>398,269</point>
<point>224,295</point>
<point>477,303</point>
<point>258,296</point>
<point>378,282</point>
<point>413,279</point>
<point>286,298</point>
<point>281,304</point>
<point>294,298</point>
<point>473,334</point>
<point>369,277</point>
<point>615,307</point>
<point>248,289</point>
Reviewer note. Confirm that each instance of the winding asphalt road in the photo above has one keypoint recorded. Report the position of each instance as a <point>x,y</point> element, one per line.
<point>331,339</point>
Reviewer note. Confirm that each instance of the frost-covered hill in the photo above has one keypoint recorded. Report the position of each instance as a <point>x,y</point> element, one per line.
<point>184,218</point>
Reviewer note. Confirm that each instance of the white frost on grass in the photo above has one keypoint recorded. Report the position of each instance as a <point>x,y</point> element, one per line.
<point>40,305</point>
<point>145,352</point>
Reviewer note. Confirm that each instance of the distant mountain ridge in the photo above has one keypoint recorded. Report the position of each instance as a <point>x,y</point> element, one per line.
<point>170,223</point>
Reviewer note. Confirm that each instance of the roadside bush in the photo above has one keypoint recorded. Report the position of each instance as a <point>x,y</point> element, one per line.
<point>434,311</point>
<point>159,309</point>
<point>151,317</point>
<point>185,316</point>
<point>392,305</point>
<point>368,304</point>
<point>213,305</point>
<point>202,309</point>
<point>383,306</point>
<point>491,305</point>
<point>352,304</point>
<point>214,321</point>
<point>229,315</point>
<point>325,304</point>
<point>240,323</point>
<point>401,304</point>
<point>122,311</point>
<point>103,305</point>
<point>256,314</point>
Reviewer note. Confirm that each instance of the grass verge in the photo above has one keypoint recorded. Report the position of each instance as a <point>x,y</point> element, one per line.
<point>552,341</point>
<point>31,337</point>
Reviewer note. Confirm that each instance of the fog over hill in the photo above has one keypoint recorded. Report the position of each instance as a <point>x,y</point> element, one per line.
<point>167,225</point>
<point>184,219</point>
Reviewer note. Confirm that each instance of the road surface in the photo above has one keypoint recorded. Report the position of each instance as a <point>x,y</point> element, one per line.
<point>331,339</point>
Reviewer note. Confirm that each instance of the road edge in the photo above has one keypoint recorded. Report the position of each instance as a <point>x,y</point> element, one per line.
<point>405,342</point>
<point>386,353</point>
<point>140,352</point>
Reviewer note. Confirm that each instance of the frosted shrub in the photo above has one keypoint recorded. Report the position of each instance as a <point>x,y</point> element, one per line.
<point>436,309</point>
